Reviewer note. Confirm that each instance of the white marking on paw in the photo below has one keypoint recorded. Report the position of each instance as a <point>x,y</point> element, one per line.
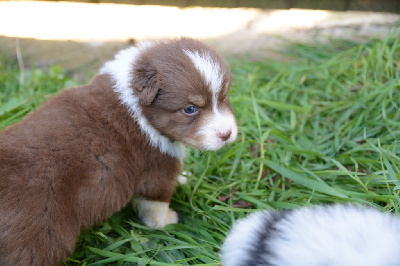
<point>154,214</point>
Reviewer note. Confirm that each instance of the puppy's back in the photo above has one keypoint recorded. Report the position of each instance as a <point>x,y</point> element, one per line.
<point>50,163</point>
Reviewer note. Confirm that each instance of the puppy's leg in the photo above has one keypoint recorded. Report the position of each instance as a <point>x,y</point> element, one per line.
<point>154,214</point>
<point>153,197</point>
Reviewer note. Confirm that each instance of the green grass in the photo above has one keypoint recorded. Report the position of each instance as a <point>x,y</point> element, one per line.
<point>324,128</point>
<point>20,94</point>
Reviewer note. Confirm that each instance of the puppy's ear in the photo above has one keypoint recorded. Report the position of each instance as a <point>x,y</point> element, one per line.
<point>144,82</point>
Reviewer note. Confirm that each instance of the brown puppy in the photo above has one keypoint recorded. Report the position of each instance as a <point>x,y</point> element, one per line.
<point>84,154</point>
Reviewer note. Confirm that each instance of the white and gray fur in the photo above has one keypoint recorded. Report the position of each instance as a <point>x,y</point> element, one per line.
<point>334,235</point>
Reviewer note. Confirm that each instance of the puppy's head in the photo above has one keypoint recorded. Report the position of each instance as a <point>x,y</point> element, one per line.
<point>182,88</point>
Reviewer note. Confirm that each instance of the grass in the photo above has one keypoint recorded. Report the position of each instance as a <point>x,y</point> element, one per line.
<point>324,128</point>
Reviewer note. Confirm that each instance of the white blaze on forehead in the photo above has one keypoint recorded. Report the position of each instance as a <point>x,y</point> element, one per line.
<point>220,122</point>
<point>209,68</point>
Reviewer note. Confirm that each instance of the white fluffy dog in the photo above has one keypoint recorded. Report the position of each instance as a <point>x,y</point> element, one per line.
<point>337,235</point>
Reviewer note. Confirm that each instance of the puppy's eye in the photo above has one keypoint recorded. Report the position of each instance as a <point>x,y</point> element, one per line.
<point>190,109</point>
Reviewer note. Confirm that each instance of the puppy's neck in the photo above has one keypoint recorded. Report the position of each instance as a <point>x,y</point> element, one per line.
<point>120,70</point>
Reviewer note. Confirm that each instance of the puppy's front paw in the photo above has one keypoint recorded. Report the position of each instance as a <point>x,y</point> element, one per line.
<point>160,220</point>
<point>172,217</point>
<point>155,214</point>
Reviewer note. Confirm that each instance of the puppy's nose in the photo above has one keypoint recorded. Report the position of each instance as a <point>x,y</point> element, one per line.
<point>225,135</point>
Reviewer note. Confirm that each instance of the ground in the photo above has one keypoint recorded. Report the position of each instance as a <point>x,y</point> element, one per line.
<point>80,36</point>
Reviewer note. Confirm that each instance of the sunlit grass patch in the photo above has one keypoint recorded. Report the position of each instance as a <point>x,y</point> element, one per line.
<point>321,129</point>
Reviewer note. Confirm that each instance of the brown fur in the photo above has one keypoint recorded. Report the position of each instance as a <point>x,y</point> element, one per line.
<point>81,157</point>
<point>69,165</point>
<point>168,79</point>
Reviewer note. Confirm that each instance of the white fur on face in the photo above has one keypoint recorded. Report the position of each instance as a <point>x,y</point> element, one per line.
<point>120,69</point>
<point>208,68</point>
<point>327,235</point>
<point>219,122</point>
